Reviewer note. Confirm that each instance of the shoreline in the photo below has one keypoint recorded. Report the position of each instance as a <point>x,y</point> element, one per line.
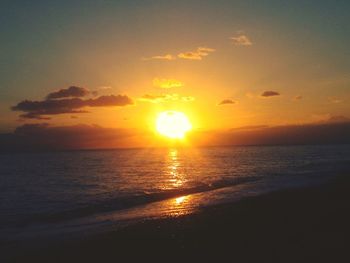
<point>293,225</point>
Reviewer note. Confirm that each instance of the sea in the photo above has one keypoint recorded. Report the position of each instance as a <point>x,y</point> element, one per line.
<point>55,194</point>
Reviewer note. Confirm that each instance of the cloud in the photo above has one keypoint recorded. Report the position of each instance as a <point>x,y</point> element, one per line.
<point>72,91</point>
<point>198,54</point>
<point>321,133</point>
<point>299,97</point>
<point>167,83</point>
<point>226,102</point>
<point>109,100</point>
<point>270,93</point>
<point>153,98</point>
<point>43,137</point>
<point>166,97</point>
<point>161,57</point>
<point>43,109</point>
<point>36,137</point>
<point>241,40</point>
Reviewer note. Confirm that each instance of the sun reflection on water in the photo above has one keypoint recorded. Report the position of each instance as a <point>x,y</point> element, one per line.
<point>180,200</point>
<point>176,177</point>
<point>179,206</point>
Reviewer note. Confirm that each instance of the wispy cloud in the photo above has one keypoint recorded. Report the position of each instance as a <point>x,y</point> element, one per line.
<point>197,54</point>
<point>161,57</point>
<point>241,40</point>
<point>153,98</point>
<point>226,102</point>
<point>299,97</point>
<point>166,97</point>
<point>167,83</point>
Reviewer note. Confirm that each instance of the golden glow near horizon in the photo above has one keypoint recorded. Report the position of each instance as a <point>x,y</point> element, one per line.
<point>173,124</point>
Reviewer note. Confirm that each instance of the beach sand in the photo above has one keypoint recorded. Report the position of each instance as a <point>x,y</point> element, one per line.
<point>297,225</point>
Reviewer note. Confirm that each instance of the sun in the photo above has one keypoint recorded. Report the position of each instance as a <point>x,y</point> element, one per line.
<point>173,124</point>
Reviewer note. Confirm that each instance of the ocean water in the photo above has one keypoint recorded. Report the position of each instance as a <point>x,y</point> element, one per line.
<point>48,193</point>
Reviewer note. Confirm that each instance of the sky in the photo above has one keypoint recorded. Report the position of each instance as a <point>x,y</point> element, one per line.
<point>225,64</point>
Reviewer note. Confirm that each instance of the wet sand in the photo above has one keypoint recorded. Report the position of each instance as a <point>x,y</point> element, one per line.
<point>298,225</point>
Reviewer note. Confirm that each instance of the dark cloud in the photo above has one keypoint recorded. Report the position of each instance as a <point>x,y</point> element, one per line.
<point>94,93</point>
<point>72,91</point>
<point>270,93</point>
<point>226,101</point>
<point>41,109</point>
<point>111,100</point>
<point>37,137</point>
<point>43,137</point>
<point>325,133</point>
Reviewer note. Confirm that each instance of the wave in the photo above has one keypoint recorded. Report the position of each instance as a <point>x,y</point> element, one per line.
<point>122,203</point>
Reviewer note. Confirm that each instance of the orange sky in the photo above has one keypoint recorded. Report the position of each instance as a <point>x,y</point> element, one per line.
<point>222,69</point>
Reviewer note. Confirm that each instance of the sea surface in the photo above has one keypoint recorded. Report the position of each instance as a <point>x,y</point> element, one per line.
<point>43,194</point>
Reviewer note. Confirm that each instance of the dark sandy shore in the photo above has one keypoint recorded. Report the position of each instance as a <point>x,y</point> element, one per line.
<point>300,225</point>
